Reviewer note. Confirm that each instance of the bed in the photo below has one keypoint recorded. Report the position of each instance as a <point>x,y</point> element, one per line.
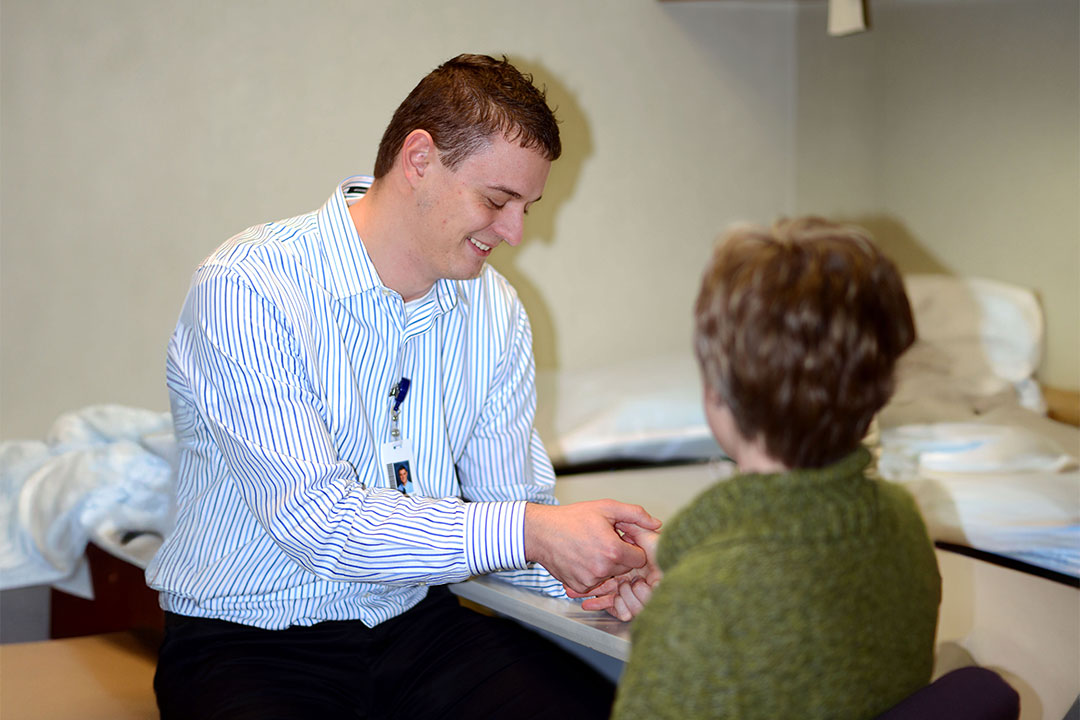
<point>967,432</point>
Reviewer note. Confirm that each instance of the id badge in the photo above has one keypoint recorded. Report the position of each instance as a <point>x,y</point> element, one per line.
<point>396,459</point>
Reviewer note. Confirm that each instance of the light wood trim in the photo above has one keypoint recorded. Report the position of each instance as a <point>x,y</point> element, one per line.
<point>1063,405</point>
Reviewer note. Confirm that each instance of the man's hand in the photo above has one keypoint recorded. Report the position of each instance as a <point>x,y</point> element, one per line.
<point>578,543</point>
<point>625,595</point>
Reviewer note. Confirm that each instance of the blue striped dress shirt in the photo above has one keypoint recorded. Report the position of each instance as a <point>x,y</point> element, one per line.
<point>280,372</point>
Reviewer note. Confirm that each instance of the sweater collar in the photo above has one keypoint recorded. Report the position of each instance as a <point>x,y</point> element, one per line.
<point>764,504</point>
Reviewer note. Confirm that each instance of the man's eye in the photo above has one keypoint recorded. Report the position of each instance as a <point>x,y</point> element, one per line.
<point>494,205</point>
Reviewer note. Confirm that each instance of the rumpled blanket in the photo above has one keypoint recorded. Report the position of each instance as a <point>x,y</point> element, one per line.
<point>103,473</point>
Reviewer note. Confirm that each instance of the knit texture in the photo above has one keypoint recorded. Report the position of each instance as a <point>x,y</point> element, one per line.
<point>807,594</point>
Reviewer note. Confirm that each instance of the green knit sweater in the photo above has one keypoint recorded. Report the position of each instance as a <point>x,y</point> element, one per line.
<point>807,594</point>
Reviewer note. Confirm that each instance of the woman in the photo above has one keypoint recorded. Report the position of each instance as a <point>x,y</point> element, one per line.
<point>802,587</point>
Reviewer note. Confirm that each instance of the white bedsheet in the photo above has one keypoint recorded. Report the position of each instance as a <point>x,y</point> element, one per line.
<point>103,474</point>
<point>1003,489</point>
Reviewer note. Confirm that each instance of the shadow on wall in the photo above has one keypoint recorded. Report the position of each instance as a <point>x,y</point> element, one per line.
<point>896,241</point>
<point>540,227</point>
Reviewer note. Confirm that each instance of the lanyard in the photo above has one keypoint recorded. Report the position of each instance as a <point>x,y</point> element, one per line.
<point>397,392</point>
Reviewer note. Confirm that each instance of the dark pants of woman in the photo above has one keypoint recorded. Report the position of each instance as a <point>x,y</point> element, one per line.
<point>438,660</point>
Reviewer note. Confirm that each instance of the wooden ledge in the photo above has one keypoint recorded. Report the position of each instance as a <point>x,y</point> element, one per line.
<point>1063,405</point>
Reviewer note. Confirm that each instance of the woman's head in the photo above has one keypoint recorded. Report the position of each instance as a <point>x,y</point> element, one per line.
<point>797,329</point>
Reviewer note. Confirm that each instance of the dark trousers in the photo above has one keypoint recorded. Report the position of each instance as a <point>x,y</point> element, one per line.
<point>438,660</point>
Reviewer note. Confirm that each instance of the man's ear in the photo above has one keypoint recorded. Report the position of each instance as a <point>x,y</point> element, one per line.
<point>417,155</point>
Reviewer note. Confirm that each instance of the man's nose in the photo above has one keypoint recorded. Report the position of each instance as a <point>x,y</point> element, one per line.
<point>510,225</point>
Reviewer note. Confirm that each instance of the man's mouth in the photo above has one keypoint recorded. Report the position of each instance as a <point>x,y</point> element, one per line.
<point>479,245</point>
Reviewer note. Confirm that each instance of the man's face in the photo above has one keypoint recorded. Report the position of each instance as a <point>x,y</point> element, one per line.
<point>403,475</point>
<point>467,212</point>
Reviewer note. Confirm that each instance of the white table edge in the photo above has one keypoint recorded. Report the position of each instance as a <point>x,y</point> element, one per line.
<point>564,618</point>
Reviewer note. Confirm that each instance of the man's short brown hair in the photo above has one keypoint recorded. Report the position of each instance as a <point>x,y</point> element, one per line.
<point>797,331</point>
<point>466,101</point>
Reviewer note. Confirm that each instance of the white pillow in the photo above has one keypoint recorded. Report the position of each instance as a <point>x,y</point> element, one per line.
<point>982,326</point>
<point>645,409</point>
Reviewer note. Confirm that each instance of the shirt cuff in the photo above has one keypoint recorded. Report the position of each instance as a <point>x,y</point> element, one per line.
<point>495,536</point>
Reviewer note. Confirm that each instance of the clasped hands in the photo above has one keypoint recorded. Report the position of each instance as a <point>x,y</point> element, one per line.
<point>601,550</point>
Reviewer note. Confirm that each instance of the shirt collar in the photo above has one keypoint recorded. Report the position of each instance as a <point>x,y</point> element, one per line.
<point>349,267</point>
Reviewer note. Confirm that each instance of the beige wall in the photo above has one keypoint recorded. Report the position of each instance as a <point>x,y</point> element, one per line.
<point>953,131</point>
<point>138,134</point>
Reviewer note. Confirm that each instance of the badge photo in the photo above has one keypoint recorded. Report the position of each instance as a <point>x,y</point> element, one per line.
<point>397,458</point>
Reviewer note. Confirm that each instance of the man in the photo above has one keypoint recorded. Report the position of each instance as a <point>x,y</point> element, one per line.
<point>313,353</point>
<point>404,483</point>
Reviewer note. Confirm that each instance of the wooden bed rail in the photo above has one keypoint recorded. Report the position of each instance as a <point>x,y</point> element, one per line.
<point>1063,405</point>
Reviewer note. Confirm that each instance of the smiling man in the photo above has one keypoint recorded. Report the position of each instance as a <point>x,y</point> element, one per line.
<point>315,355</point>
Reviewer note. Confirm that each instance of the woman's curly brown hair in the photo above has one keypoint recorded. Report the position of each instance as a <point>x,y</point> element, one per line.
<point>798,329</point>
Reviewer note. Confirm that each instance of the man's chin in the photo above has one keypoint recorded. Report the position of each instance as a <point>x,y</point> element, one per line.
<point>468,273</point>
